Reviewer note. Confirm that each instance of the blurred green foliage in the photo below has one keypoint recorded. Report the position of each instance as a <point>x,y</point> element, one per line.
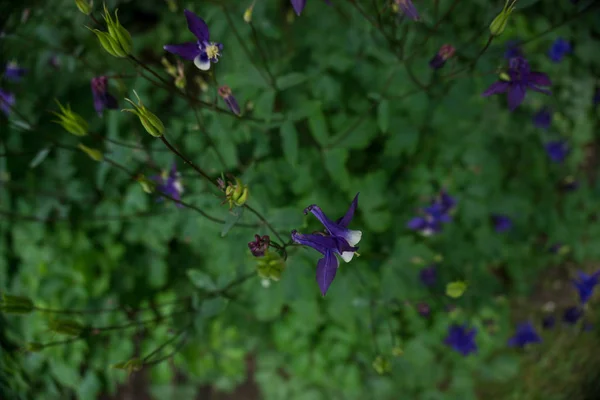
<point>337,101</point>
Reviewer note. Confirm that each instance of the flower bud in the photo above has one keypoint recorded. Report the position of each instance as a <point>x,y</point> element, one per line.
<point>94,154</point>
<point>117,41</point>
<point>84,6</point>
<point>66,327</point>
<point>16,304</point>
<point>445,52</point>
<point>260,245</point>
<point>499,23</point>
<point>109,44</point>
<point>147,185</point>
<point>270,266</point>
<point>248,14</point>
<point>225,93</point>
<point>237,194</point>
<point>72,122</point>
<point>151,123</point>
<point>381,365</point>
<point>456,289</point>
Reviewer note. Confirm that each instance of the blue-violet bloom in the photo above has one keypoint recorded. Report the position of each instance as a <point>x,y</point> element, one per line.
<point>542,118</point>
<point>102,99</point>
<point>13,72</point>
<point>444,53</point>
<point>169,184</point>
<point>428,276</point>
<point>585,285</point>
<point>7,101</point>
<point>559,49</point>
<point>203,51</point>
<point>225,93</point>
<point>548,322</point>
<point>408,8</point>
<point>557,150</point>
<point>300,4</point>
<point>572,315</point>
<point>434,215</point>
<point>525,334</point>
<point>337,239</point>
<point>518,80</point>
<point>461,339</point>
<point>502,223</point>
<point>513,49</point>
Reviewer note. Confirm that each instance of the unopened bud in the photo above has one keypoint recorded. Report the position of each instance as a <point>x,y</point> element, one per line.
<point>381,365</point>
<point>84,6</point>
<point>271,266</point>
<point>72,122</point>
<point>248,14</point>
<point>117,41</point>
<point>499,23</point>
<point>66,327</point>
<point>151,123</point>
<point>445,52</point>
<point>94,154</point>
<point>225,93</point>
<point>260,245</point>
<point>237,194</point>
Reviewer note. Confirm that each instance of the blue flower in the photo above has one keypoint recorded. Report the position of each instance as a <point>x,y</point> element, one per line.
<point>337,239</point>
<point>585,285</point>
<point>169,184</point>
<point>434,215</point>
<point>502,223</point>
<point>557,150</point>
<point>559,49</point>
<point>300,4</point>
<point>542,118</point>
<point>519,79</point>
<point>408,8</point>
<point>461,339</point>
<point>102,99</point>
<point>13,72</point>
<point>572,315</point>
<point>548,322</point>
<point>203,51</point>
<point>7,101</point>
<point>525,334</point>
<point>513,49</point>
<point>428,276</point>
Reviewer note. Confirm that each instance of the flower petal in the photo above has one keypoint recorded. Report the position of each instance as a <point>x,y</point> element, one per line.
<point>416,223</point>
<point>495,88</point>
<point>351,236</point>
<point>188,50</point>
<point>298,5</point>
<point>516,95</point>
<point>539,79</point>
<point>202,62</point>
<point>345,220</point>
<point>197,26</point>
<point>326,270</point>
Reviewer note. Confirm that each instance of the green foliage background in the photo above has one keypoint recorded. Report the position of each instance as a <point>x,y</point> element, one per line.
<point>331,108</point>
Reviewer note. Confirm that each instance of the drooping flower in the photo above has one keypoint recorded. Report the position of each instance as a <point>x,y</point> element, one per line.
<point>461,339</point>
<point>572,315</point>
<point>502,223</point>
<point>337,239</point>
<point>169,183</point>
<point>443,54</point>
<point>408,8</point>
<point>548,322</point>
<point>559,49</point>
<point>7,101</point>
<point>433,215</point>
<point>518,80</point>
<point>300,4</point>
<point>225,93</point>
<point>203,51</point>
<point>513,49</point>
<point>260,245</point>
<point>102,99</point>
<point>557,150</point>
<point>524,335</point>
<point>542,118</point>
<point>13,72</point>
<point>585,285</point>
<point>428,276</point>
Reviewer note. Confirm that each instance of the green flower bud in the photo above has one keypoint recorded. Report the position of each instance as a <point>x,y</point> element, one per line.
<point>66,327</point>
<point>151,123</point>
<point>84,6</point>
<point>72,122</point>
<point>499,23</point>
<point>270,266</point>
<point>117,41</point>
<point>147,185</point>
<point>16,304</point>
<point>237,194</point>
<point>94,154</point>
<point>381,365</point>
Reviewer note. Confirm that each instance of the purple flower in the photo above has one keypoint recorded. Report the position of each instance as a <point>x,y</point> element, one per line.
<point>444,53</point>
<point>13,72</point>
<point>461,339</point>
<point>513,49</point>
<point>300,4</point>
<point>519,79</point>
<point>169,184</point>
<point>502,223</point>
<point>7,101</point>
<point>434,215</point>
<point>548,322</point>
<point>542,118</point>
<point>102,99</point>
<point>585,285</point>
<point>225,93</point>
<point>525,334</point>
<point>338,239</point>
<point>559,49</point>
<point>572,315</point>
<point>203,51</point>
<point>260,245</point>
<point>557,150</point>
<point>423,310</point>
<point>408,8</point>
<point>428,276</point>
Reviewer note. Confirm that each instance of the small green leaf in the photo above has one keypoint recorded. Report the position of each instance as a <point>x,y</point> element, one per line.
<point>289,80</point>
<point>39,157</point>
<point>232,218</point>
<point>213,307</point>
<point>318,127</point>
<point>456,289</point>
<point>289,142</point>
<point>383,115</point>
<point>201,280</point>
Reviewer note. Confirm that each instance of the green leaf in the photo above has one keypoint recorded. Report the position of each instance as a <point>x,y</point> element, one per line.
<point>39,157</point>
<point>318,127</point>
<point>383,115</point>
<point>289,142</point>
<point>201,279</point>
<point>290,80</point>
<point>335,163</point>
<point>232,218</point>
<point>213,307</point>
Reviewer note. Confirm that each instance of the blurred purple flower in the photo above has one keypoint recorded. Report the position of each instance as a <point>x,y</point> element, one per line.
<point>300,4</point>
<point>559,49</point>
<point>542,118</point>
<point>433,215</point>
<point>572,315</point>
<point>225,93</point>
<point>7,101</point>
<point>408,8</point>
<point>260,245</point>
<point>461,339</point>
<point>169,184</point>
<point>557,150</point>
<point>524,335</point>
<point>502,223</point>
<point>13,72</point>
<point>521,79</point>
<point>428,276</point>
<point>203,51</point>
<point>423,310</point>
<point>585,285</point>
<point>548,322</point>
<point>513,49</point>
<point>444,53</point>
<point>102,99</point>
<point>337,240</point>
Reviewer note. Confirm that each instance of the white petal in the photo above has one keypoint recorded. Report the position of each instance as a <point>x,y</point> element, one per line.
<point>203,65</point>
<point>347,255</point>
<point>353,237</point>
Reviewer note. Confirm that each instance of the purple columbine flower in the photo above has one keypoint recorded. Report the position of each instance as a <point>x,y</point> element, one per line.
<point>13,72</point>
<point>548,322</point>
<point>557,150</point>
<point>542,118</point>
<point>225,93</point>
<point>572,315</point>
<point>203,51</point>
<point>102,99</point>
<point>7,101</point>
<point>585,285</point>
<point>443,54</point>
<point>502,223</point>
<point>169,184</point>
<point>433,215</point>
<point>461,339</point>
<point>300,4</point>
<point>559,49</point>
<point>260,245</point>
<point>428,276</point>
<point>338,239</point>
<point>518,80</point>
<point>408,8</point>
<point>524,335</point>
<point>513,49</point>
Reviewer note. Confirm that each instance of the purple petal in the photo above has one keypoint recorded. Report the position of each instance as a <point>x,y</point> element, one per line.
<point>322,243</point>
<point>495,88</point>
<point>197,26</point>
<point>345,220</point>
<point>351,236</point>
<point>326,270</point>
<point>110,102</point>
<point>417,223</point>
<point>540,90</point>
<point>188,50</point>
<point>409,9</point>
<point>539,79</point>
<point>516,95</point>
<point>298,5</point>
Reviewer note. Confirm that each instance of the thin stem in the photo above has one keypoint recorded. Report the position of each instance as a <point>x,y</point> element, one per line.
<point>188,162</point>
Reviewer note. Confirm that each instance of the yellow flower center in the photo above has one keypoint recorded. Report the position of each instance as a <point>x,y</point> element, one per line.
<point>212,51</point>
